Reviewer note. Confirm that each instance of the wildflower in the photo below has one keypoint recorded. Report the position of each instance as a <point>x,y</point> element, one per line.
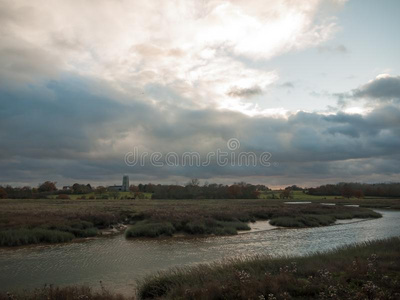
<point>243,276</point>
<point>285,296</point>
<point>271,297</point>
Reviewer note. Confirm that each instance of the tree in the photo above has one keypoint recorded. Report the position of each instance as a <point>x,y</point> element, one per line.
<point>286,194</point>
<point>47,186</point>
<point>100,190</point>
<point>133,188</point>
<point>193,182</point>
<point>3,193</point>
<point>347,191</point>
<point>358,194</point>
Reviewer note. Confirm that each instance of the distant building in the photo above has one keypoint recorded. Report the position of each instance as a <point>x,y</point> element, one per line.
<point>66,188</point>
<point>125,183</point>
<point>121,188</point>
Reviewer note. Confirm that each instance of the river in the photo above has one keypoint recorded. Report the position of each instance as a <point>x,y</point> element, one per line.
<point>118,262</point>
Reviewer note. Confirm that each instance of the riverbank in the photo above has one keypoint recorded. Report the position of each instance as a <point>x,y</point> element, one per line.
<point>369,270</point>
<point>366,271</point>
<point>24,222</point>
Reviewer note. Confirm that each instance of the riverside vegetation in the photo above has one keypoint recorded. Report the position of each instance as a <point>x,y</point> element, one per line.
<point>24,221</point>
<point>369,270</point>
<point>366,271</point>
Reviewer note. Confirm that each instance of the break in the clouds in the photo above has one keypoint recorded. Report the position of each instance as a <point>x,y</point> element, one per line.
<point>83,83</point>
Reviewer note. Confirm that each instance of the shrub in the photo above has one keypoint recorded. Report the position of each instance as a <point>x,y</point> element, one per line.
<point>63,196</point>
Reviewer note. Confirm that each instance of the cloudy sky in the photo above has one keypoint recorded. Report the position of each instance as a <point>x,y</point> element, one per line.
<point>316,83</point>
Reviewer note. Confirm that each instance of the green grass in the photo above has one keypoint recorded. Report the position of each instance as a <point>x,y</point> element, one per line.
<point>366,271</point>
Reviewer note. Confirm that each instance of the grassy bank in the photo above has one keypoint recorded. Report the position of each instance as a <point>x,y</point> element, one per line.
<point>53,220</point>
<point>365,271</point>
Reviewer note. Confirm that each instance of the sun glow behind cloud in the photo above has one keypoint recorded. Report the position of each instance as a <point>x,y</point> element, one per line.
<point>190,48</point>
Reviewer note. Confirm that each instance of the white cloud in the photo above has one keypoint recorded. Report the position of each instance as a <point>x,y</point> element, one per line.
<point>190,47</point>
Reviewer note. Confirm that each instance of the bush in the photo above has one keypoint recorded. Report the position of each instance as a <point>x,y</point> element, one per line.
<point>63,196</point>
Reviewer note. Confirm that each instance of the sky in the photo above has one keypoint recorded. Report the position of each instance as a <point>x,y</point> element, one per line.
<point>85,85</point>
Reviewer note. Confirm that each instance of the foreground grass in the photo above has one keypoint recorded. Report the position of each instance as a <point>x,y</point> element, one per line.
<point>64,293</point>
<point>365,271</point>
<point>25,222</point>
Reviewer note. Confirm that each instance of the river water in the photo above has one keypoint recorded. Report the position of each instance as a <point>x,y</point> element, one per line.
<point>118,262</point>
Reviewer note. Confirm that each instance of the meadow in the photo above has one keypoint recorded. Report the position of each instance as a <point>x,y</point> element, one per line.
<point>24,221</point>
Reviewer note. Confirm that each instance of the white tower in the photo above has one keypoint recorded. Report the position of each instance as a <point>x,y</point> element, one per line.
<point>125,183</point>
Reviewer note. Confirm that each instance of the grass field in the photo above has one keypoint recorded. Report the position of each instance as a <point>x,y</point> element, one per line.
<point>151,218</point>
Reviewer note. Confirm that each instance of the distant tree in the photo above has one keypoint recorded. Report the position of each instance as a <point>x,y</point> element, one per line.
<point>81,188</point>
<point>286,194</point>
<point>193,182</point>
<point>47,186</point>
<point>100,190</point>
<point>347,191</point>
<point>358,194</point>
<point>235,191</point>
<point>295,188</point>
<point>3,193</point>
<point>133,188</point>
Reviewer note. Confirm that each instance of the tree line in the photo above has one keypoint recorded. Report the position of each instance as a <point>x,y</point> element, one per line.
<point>193,190</point>
<point>359,190</point>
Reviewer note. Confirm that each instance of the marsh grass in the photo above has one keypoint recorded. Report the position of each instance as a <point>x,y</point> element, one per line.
<point>59,232</point>
<point>23,236</point>
<point>208,226</point>
<point>150,229</point>
<point>365,271</point>
<point>83,218</point>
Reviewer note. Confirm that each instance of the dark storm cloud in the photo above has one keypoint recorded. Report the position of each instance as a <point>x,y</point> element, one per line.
<point>61,119</point>
<point>384,88</point>
<point>76,130</point>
